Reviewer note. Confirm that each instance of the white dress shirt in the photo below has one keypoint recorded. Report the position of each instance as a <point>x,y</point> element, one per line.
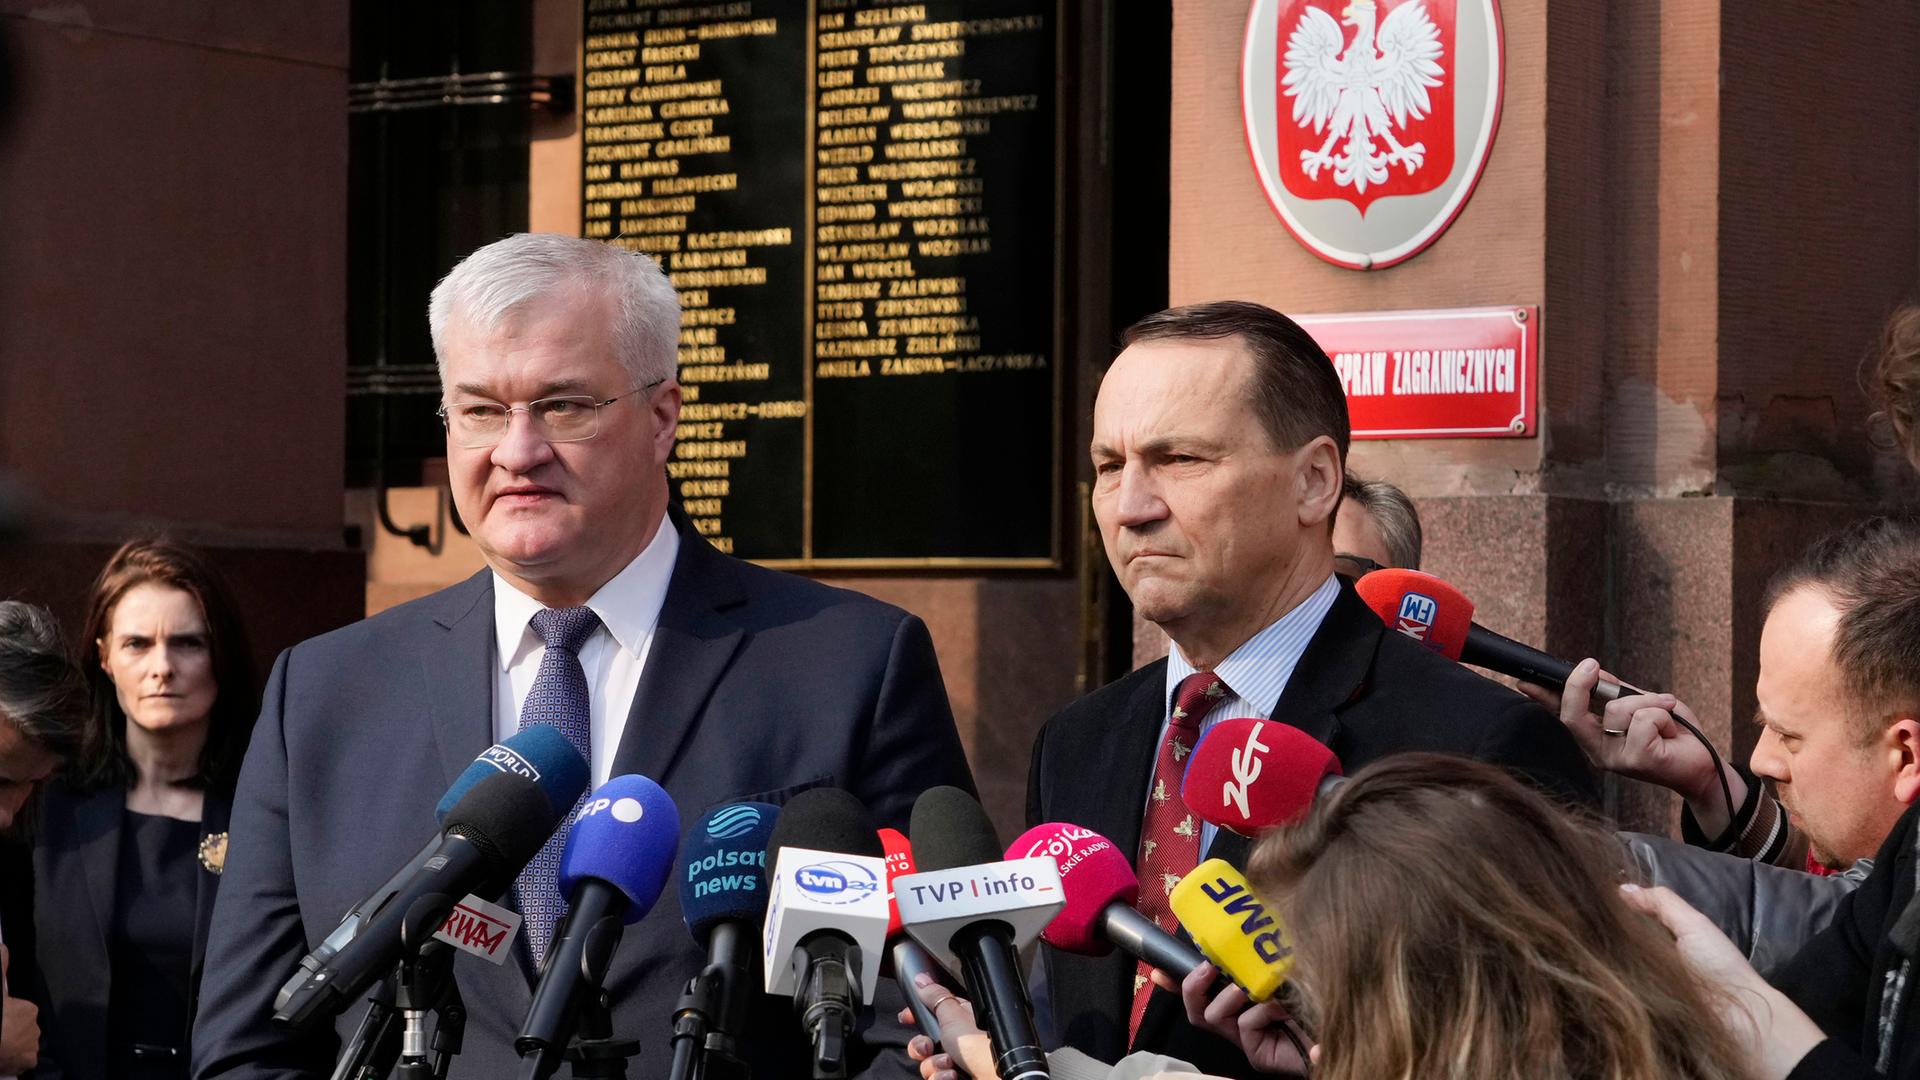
<point>1256,673</point>
<point>614,654</point>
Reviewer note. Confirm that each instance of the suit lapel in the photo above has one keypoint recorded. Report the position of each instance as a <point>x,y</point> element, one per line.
<point>460,671</point>
<point>692,645</point>
<point>214,814</point>
<point>97,821</point>
<point>1332,672</point>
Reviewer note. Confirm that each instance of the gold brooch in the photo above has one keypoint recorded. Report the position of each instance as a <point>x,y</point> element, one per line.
<point>213,852</point>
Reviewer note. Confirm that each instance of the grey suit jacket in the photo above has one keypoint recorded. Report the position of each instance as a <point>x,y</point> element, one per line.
<point>758,685</point>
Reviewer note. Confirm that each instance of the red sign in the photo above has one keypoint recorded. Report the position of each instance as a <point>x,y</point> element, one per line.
<point>1462,373</point>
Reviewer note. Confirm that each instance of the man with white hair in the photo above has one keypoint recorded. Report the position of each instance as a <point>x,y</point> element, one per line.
<point>722,681</point>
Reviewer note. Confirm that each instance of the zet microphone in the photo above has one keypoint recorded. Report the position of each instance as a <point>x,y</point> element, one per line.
<point>616,861</point>
<point>723,894</point>
<point>1234,927</point>
<point>908,958</point>
<point>538,753</point>
<point>1247,775</point>
<point>1101,889</point>
<point>826,917</point>
<point>489,837</point>
<point>974,911</point>
<point>1439,616</point>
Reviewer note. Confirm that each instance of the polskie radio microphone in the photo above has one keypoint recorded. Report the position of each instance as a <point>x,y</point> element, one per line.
<point>1101,890</point>
<point>1439,616</point>
<point>1247,775</point>
<point>723,894</point>
<point>1234,927</point>
<point>826,917</point>
<point>538,753</point>
<point>492,833</point>
<point>906,955</point>
<point>617,858</point>
<point>974,910</point>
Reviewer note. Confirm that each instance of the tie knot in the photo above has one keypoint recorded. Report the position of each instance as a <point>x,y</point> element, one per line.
<point>565,628</point>
<point>1196,696</point>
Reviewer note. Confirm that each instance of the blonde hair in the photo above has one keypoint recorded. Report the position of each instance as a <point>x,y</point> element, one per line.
<point>1451,922</point>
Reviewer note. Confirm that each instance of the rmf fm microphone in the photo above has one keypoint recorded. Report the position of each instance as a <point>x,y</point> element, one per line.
<point>615,863</point>
<point>1439,616</point>
<point>1247,775</point>
<point>1237,930</point>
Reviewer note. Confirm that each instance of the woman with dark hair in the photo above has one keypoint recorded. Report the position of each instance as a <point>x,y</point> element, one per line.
<point>134,836</point>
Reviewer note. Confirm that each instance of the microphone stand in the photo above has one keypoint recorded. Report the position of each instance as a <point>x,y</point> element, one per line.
<point>371,1051</point>
<point>708,1012</point>
<point>426,985</point>
<point>593,1051</point>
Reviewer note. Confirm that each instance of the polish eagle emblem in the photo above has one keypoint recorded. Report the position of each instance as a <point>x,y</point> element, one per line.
<point>1363,95</point>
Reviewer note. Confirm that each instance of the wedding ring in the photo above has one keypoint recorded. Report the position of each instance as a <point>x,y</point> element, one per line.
<point>1620,734</point>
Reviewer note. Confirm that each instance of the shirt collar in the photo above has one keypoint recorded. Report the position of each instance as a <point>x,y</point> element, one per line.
<point>1258,671</point>
<point>628,604</point>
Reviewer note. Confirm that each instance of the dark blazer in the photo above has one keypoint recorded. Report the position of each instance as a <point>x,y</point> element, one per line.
<point>76,864</point>
<point>1362,691</point>
<point>758,684</point>
<point>1841,975</point>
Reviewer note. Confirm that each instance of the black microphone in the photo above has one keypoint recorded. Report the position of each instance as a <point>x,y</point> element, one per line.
<point>494,831</point>
<point>827,917</point>
<point>950,830</point>
<point>723,895</point>
<point>616,861</point>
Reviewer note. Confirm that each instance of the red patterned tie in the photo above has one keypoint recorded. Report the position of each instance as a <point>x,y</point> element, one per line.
<point>1170,834</point>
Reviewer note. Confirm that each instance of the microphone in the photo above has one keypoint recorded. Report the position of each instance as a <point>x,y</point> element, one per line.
<point>723,894</point>
<point>908,957</point>
<point>826,917</point>
<point>490,835</point>
<point>1247,775</point>
<point>1101,890</point>
<point>1439,616</point>
<point>1234,927</point>
<point>538,753</point>
<point>616,861</point>
<point>973,911</point>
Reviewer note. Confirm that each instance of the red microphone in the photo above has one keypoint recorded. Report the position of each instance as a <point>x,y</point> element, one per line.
<point>1247,775</point>
<point>1440,617</point>
<point>1101,889</point>
<point>909,959</point>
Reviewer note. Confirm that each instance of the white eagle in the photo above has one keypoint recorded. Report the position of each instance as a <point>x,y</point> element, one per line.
<point>1360,92</point>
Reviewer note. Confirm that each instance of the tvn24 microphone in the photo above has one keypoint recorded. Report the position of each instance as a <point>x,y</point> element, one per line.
<point>539,753</point>
<point>974,910</point>
<point>1101,890</point>
<point>617,858</point>
<point>1247,775</point>
<point>907,956</point>
<point>826,917</point>
<point>1439,616</point>
<point>490,835</point>
<point>1234,927</point>
<point>723,894</point>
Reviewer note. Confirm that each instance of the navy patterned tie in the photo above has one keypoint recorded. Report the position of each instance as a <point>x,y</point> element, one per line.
<point>558,698</point>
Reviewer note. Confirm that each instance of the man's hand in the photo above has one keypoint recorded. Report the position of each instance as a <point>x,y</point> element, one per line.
<point>1769,1028</point>
<point>1260,1031</point>
<point>1654,747</point>
<point>19,1028</point>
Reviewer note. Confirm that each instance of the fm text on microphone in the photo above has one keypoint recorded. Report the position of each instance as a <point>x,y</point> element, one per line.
<point>617,858</point>
<point>826,917</point>
<point>1248,775</point>
<point>974,910</point>
<point>1439,616</point>
<point>723,895</point>
<point>519,791</point>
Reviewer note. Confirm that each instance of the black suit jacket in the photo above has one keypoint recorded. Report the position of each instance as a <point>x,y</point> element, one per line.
<point>1362,691</point>
<point>758,684</point>
<point>76,865</point>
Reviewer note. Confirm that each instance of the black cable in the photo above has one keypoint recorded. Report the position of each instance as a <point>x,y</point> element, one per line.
<point>1719,767</point>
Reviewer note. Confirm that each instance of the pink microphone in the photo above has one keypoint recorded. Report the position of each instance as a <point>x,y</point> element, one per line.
<point>1247,775</point>
<point>1101,889</point>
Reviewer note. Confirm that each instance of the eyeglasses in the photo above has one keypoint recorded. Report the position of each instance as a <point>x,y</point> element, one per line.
<point>478,424</point>
<point>1357,566</point>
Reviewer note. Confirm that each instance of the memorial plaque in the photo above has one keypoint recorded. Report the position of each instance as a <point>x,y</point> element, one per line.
<point>856,203</point>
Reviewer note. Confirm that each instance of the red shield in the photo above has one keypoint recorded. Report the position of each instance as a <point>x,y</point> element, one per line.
<point>1351,121</point>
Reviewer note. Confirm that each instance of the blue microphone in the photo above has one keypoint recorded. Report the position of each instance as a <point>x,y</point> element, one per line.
<point>538,753</point>
<point>616,862</point>
<point>723,893</point>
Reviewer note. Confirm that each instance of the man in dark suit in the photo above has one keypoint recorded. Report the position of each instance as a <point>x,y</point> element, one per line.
<point>718,679</point>
<point>1220,438</point>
